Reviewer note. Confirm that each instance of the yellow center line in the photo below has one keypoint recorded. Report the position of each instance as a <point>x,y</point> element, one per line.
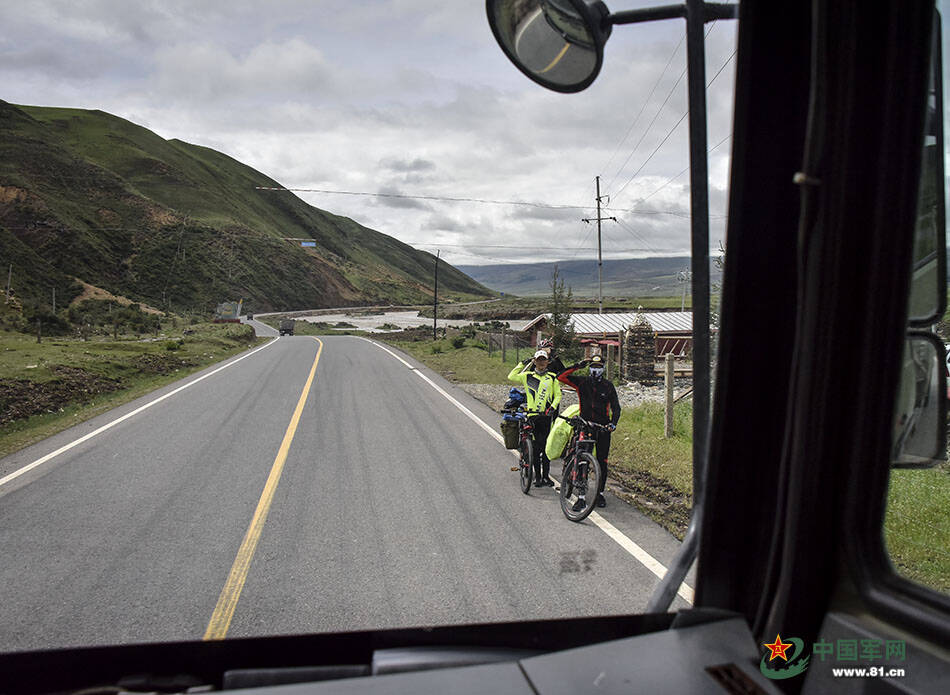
<point>227,601</point>
<point>557,58</point>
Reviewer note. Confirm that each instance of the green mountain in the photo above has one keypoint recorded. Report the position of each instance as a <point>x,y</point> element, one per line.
<point>630,277</point>
<point>87,195</point>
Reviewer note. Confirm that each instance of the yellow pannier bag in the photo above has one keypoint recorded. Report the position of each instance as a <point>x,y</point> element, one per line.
<point>560,434</point>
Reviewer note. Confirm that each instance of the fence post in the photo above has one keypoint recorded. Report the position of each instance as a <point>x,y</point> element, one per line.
<point>620,354</point>
<point>39,331</point>
<point>668,379</point>
<point>504,334</point>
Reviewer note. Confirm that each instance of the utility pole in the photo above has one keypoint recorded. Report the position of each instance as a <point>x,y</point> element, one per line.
<point>600,258</point>
<point>684,278</point>
<point>435,296</point>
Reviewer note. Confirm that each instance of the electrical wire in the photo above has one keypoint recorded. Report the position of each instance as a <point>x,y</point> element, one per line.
<point>671,131</point>
<point>644,105</point>
<point>709,151</point>
<point>429,197</point>
<point>655,116</point>
<point>468,200</point>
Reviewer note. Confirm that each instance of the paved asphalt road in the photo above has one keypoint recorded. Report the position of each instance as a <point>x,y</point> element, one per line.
<point>394,508</point>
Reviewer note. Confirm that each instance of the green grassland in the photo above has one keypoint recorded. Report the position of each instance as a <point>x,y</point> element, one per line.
<point>917,525</point>
<point>181,227</point>
<point>50,386</point>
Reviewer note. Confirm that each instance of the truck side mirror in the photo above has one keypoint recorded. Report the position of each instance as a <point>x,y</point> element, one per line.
<point>921,413</point>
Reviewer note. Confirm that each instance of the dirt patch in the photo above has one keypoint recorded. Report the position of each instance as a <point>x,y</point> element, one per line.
<point>654,497</point>
<point>12,194</point>
<point>109,216</point>
<point>160,364</point>
<point>161,217</point>
<point>93,292</point>
<point>21,398</point>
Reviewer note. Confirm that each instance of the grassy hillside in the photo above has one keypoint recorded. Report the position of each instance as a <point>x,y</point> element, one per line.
<point>84,194</point>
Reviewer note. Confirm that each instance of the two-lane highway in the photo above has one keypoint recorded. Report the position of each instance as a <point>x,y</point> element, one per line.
<point>310,486</point>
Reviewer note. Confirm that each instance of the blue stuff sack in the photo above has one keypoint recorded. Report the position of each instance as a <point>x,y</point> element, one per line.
<point>515,398</point>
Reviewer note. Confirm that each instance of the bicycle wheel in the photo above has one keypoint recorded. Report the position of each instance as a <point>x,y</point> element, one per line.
<point>579,485</point>
<point>526,459</point>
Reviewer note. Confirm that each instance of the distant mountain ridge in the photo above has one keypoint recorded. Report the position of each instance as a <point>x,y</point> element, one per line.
<point>88,195</point>
<point>634,277</point>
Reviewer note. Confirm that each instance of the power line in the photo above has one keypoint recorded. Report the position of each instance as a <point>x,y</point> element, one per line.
<point>636,235</point>
<point>721,69</point>
<point>524,248</point>
<point>647,160</point>
<point>709,151</point>
<point>645,132</point>
<point>465,200</point>
<point>429,197</point>
<point>671,131</point>
<point>655,116</point>
<point>644,105</point>
<point>590,231</point>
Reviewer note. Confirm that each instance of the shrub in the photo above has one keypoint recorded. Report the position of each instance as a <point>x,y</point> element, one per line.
<point>458,342</point>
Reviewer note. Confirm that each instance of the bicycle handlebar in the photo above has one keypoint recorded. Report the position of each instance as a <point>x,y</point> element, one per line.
<point>518,410</point>
<point>577,419</point>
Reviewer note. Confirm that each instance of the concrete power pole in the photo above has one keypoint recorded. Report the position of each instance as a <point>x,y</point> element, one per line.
<point>600,257</point>
<point>435,296</point>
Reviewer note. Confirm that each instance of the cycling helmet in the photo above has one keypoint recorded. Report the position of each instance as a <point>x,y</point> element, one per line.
<point>546,344</point>
<point>596,366</point>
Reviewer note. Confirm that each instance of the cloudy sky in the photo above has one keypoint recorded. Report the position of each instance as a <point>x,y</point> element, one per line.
<point>404,97</point>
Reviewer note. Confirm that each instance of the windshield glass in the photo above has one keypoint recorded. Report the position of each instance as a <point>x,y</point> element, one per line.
<point>270,272</point>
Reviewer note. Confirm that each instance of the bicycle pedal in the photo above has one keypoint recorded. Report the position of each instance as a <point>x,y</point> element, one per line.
<point>514,468</point>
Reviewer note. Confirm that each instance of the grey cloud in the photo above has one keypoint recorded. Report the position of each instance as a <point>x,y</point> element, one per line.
<point>445,223</point>
<point>389,196</point>
<point>531,213</point>
<point>209,71</point>
<point>404,165</point>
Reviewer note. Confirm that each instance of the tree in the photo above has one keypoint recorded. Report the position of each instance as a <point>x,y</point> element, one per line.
<point>560,326</point>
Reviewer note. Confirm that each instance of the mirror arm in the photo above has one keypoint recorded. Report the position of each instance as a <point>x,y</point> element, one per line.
<point>712,11</point>
<point>647,14</point>
<point>718,10</point>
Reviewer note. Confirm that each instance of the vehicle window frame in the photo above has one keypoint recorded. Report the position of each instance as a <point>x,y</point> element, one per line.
<point>876,581</point>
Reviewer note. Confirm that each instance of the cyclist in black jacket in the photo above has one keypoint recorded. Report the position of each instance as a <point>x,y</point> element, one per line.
<point>599,403</point>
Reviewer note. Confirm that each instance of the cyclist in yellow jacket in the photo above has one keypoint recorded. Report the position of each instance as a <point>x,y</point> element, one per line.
<point>543,392</point>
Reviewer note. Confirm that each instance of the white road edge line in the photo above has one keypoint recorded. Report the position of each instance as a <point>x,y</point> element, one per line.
<point>63,449</point>
<point>642,556</point>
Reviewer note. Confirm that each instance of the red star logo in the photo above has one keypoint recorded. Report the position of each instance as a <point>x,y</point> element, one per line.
<point>778,648</point>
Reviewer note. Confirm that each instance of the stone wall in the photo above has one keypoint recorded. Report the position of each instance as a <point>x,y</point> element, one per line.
<point>639,351</point>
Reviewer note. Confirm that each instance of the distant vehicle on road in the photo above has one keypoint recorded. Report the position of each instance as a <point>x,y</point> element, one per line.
<point>287,327</point>
<point>250,317</point>
<point>228,312</point>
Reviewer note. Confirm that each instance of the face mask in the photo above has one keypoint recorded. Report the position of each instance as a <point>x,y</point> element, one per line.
<point>596,372</point>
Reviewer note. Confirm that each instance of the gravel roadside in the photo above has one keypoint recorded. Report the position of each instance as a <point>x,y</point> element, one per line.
<point>630,394</point>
